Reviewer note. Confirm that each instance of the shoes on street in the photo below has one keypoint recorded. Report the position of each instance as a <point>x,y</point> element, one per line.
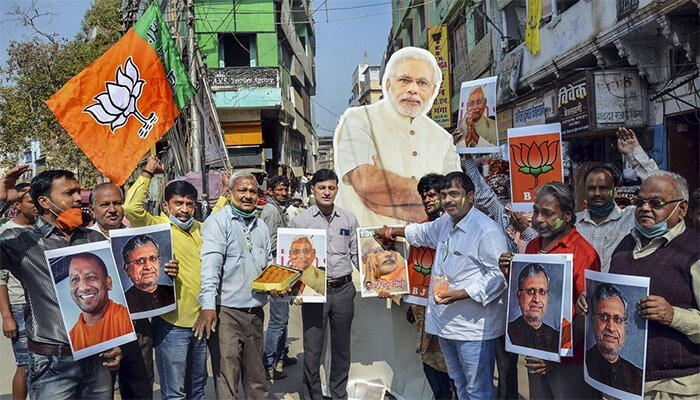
<point>289,361</point>
<point>273,374</point>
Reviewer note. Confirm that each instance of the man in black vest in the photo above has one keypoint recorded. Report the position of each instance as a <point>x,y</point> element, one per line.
<point>661,248</point>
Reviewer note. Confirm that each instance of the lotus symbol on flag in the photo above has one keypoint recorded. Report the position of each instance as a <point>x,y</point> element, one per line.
<point>118,103</point>
<point>535,160</point>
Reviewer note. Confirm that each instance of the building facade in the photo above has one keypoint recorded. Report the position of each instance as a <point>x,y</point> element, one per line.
<point>259,56</point>
<point>366,85</point>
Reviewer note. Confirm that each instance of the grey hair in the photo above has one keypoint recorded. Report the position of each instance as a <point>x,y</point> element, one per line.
<point>531,270</point>
<point>607,291</point>
<point>412,53</point>
<point>563,194</point>
<point>679,182</point>
<point>101,186</point>
<point>241,175</point>
<point>297,238</point>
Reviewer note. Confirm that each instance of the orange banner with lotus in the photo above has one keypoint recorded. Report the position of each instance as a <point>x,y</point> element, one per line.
<point>535,159</point>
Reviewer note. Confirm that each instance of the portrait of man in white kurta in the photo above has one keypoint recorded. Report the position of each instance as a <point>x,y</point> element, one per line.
<point>382,150</point>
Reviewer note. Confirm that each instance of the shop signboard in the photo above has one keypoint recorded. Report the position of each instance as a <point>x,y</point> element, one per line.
<point>441,112</point>
<point>508,73</point>
<point>619,99</point>
<point>568,105</point>
<point>528,113</point>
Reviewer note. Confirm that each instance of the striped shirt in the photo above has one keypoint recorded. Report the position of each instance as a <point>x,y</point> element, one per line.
<point>22,252</point>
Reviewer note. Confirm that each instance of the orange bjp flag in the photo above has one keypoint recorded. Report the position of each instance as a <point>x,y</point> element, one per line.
<point>535,159</point>
<point>125,101</point>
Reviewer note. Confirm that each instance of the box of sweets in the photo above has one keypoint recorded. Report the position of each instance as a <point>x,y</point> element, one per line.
<point>275,277</point>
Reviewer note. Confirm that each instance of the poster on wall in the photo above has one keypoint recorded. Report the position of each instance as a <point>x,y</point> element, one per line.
<point>478,129</point>
<point>141,254</point>
<point>90,296</point>
<point>616,334</point>
<point>304,250</point>
<point>382,268</point>
<point>535,158</point>
<point>535,304</point>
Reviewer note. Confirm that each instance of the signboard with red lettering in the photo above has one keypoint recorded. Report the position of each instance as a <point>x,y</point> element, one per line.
<point>441,112</point>
<point>535,159</point>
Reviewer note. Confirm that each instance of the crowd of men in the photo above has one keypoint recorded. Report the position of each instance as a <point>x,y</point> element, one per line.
<point>471,237</point>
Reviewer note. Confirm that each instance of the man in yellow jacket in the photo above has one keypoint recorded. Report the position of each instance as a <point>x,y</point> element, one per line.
<point>181,358</point>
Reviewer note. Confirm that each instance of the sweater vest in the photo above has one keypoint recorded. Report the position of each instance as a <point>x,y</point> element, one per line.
<point>670,353</point>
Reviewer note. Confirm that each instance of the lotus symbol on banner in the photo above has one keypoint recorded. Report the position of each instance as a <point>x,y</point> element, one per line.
<point>118,103</point>
<point>535,160</point>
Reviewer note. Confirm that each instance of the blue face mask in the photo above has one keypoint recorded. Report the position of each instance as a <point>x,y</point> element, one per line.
<point>657,230</point>
<point>185,226</point>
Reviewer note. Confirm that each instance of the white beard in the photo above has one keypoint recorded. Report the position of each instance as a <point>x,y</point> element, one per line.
<point>407,111</point>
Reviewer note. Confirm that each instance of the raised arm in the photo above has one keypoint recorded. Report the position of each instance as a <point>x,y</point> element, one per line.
<point>135,199</point>
<point>629,147</point>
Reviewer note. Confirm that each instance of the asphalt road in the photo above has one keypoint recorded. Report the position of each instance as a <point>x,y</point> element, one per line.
<point>287,388</point>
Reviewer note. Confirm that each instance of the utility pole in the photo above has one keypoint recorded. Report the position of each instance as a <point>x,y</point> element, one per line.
<point>195,124</point>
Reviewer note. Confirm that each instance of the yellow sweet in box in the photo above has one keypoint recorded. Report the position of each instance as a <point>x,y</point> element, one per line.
<point>275,277</point>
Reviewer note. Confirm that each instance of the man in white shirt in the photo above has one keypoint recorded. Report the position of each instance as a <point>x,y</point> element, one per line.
<point>468,316</point>
<point>476,128</point>
<point>381,150</point>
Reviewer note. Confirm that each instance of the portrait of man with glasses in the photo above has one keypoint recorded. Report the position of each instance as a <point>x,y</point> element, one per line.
<point>609,319</point>
<point>142,264</point>
<point>477,125</point>
<point>533,295</point>
<point>302,257</point>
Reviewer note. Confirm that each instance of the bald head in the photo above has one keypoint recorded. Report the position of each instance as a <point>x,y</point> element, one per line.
<point>106,205</point>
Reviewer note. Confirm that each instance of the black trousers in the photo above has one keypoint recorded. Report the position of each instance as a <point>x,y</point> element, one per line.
<point>339,311</point>
<point>136,368</point>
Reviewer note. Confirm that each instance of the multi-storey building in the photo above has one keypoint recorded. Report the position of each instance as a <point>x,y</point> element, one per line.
<point>366,85</point>
<point>601,65</point>
<point>260,66</point>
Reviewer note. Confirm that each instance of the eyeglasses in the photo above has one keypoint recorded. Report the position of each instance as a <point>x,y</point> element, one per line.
<point>656,204</point>
<point>295,252</point>
<point>605,318</point>
<point>143,260</point>
<point>478,102</point>
<point>532,291</point>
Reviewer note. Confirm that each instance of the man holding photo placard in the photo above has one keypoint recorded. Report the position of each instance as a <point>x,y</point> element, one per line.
<point>553,218</point>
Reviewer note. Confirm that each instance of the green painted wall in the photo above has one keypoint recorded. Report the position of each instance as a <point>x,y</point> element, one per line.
<point>251,16</point>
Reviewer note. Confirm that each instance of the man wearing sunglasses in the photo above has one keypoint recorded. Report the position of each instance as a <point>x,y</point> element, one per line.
<point>142,265</point>
<point>661,248</point>
<point>529,329</point>
<point>603,224</point>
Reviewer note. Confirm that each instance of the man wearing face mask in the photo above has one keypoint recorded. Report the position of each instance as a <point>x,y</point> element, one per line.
<point>181,359</point>
<point>553,218</point>
<point>236,249</point>
<point>56,195</point>
<point>662,248</point>
<point>603,224</point>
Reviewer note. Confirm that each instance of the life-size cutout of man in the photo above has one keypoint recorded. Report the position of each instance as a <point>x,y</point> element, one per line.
<point>381,150</point>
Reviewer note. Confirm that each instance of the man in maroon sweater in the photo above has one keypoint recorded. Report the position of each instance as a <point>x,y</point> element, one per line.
<point>661,248</point>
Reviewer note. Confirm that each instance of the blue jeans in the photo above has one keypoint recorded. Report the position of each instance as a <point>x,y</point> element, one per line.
<point>19,343</point>
<point>60,377</point>
<point>181,360</point>
<point>470,364</point>
<point>276,348</point>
